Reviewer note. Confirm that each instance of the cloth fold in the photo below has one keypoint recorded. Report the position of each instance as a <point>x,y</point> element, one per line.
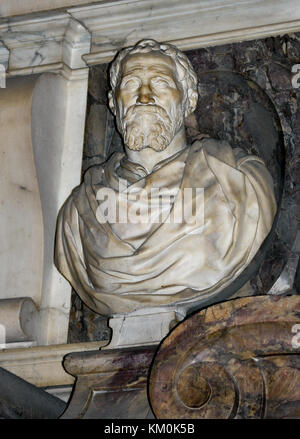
<point>120,268</point>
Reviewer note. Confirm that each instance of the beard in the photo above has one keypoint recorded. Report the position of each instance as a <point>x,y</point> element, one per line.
<point>148,126</point>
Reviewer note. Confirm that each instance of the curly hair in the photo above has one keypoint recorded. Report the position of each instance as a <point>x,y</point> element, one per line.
<point>185,72</point>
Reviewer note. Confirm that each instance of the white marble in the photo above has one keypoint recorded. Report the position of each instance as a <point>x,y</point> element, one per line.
<point>47,40</point>
<point>21,221</point>
<point>42,121</point>
<point>141,328</point>
<point>42,366</point>
<point>188,25</point>
<point>39,41</point>
<point>17,7</point>
<point>58,116</point>
<point>34,40</point>
<point>41,156</point>
<point>4,56</point>
<point>125,262</point>
<point>19,322</point>
<point>76,43</point>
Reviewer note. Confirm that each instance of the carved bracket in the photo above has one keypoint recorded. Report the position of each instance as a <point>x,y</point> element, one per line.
<point>237,359</point>
<point>110,384</point>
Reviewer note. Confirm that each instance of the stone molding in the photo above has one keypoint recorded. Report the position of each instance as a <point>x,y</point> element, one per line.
<point>42,366</point>
<point>91,34</point>
<point>9,8</point>
<point>188,25</point>
<point>43,42</point>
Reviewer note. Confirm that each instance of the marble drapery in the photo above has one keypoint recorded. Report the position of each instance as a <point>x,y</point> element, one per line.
<point>171,263</point>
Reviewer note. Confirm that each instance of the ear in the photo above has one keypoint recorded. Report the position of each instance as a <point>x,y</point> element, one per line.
<point>111,102</point>
<point>191,102</point>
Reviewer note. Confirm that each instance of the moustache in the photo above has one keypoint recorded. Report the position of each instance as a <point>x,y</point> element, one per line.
<point>154,109</point>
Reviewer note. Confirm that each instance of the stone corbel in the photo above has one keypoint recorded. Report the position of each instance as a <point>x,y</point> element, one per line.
<point>110,384</point>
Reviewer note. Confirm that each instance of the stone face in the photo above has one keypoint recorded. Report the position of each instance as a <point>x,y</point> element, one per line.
<point>122,266</point>
<point>238,359</point>
<point>250,60</point>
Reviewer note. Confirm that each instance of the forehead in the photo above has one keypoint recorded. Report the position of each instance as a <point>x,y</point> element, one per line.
<point>155,62</point>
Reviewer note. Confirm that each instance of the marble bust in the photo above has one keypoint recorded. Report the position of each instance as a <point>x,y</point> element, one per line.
<point>120,267</point>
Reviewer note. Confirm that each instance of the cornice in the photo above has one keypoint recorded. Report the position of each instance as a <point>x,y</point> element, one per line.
<point>92,34</point>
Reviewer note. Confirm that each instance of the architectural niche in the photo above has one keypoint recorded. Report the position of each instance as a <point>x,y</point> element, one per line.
<point>53,114</point>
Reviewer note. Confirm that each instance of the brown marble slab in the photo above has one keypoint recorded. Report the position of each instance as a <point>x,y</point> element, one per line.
<point>110,384</point>
<point>237,359</point>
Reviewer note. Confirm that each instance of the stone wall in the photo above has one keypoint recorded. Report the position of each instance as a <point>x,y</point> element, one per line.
<point>246,97</point>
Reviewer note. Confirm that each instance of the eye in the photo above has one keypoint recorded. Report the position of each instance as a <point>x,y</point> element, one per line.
<point>129,83</point>
<point>162,82</point>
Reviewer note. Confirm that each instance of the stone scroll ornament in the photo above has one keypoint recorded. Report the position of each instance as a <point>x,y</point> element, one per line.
<point>238,359</point>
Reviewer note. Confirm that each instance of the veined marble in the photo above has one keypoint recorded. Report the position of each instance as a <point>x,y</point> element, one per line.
<point>37,40</point>
<point>17,7</point>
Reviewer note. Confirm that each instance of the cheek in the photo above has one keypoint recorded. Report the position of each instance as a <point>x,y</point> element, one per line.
<point>174,103</point>
<point>125,100</point>
<point>172,98</point>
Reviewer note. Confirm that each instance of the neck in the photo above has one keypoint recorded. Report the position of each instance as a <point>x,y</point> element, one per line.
<point>148,157</point>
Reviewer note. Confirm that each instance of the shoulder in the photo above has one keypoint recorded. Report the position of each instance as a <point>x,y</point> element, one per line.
<point>222,150</point>
<point>93,174</point>
<point>83,197</point>
<point>218,149</point>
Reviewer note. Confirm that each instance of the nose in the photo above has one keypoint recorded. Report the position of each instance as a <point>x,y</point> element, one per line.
<point>145,95</point>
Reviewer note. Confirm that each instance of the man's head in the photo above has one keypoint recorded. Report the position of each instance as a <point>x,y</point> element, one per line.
<point>154,87</point>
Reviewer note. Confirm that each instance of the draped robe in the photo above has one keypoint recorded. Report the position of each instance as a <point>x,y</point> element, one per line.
<point>121,268</point>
